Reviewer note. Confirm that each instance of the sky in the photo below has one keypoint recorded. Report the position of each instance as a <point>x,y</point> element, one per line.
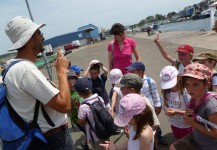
<point>64,16</point>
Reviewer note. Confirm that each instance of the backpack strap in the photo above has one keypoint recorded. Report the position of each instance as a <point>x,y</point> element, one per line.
<point>101,80</point>
<point>5,71</point>
<point>88,122</point>
<point>149,83</point>
<point>35,118</point>
<point>185,98</point>
<point>177,65</point>
<point>46,116</point>
<point>92,109</point>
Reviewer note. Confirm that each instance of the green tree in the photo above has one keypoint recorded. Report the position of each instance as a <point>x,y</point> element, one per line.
<point>159,17</point>
<point>150,19</point>
<point>142,23</point>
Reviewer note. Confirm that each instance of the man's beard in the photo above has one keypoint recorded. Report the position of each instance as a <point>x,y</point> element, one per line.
<point>39,48</point>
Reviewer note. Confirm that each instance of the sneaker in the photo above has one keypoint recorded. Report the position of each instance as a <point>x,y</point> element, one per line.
<point>84,146</point>
<point>119,131</point>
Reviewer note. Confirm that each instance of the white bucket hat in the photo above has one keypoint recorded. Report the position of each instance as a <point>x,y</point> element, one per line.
<point>20,29</point>
<point>168,76</point>
<point>115,76</point>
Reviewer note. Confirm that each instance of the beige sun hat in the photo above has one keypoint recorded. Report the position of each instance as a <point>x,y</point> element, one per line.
<point>19,30</point>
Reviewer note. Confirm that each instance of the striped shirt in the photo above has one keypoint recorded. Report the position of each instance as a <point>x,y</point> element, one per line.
<point>151,92</point>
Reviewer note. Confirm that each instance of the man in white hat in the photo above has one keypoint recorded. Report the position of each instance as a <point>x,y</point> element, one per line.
<point>25,84</point>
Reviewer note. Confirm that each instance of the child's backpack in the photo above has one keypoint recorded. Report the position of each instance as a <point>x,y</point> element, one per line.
<point>177,65</point>
<point>104,123</point>
<point>14,132</point>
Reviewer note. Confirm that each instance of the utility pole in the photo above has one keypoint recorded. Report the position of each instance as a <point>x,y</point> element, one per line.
<point>212,13</point>
<point>47,64</point>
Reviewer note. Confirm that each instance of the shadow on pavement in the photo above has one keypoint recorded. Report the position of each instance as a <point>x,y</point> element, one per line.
<point>169,139</point>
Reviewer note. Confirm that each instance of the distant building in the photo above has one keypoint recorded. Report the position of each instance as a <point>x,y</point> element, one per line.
<point>85,34</point>
<point>187,12</point>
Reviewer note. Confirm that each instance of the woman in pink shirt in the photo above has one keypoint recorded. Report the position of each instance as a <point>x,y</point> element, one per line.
<point>121,48</point>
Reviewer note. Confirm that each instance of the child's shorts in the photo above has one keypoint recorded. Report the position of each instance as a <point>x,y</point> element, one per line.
<point>185,143</point>
<point>180,132</point>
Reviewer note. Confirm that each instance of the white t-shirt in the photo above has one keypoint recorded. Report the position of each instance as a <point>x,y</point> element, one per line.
<point>180,66</point>
<point>176,101</point>
<point>25,83</point>
<point>135,144</point>
<point>181,69</point>
<point>214,80</point>
<point>119,96</point>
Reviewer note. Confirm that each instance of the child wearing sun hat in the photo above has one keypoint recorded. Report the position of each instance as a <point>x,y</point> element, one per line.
<point>115,95</point>
<point>195,79</point>
<point>175,102</point>
<point>134,112</point>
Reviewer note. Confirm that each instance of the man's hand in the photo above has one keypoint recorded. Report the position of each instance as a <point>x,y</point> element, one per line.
<point>62,63</point>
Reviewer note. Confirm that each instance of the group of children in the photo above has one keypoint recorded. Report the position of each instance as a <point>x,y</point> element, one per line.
<point>191,108</point>
<point>135,103</point>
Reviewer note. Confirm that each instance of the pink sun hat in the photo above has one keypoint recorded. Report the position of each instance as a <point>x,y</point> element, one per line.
<point>130,105</point>
<point>197,71</point>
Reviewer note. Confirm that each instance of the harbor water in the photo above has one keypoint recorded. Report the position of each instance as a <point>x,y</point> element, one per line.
<point>189,25</point>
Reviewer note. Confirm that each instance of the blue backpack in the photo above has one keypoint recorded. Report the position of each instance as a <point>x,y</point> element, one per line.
<point>14,132</point>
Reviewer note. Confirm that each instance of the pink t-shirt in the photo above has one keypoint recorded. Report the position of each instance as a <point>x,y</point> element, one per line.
<point>122,58</point>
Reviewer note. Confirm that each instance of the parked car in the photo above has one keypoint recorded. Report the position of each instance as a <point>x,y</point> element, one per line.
<point>68,47</point>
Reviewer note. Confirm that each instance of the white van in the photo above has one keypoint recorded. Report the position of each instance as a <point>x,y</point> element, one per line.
<point>76,43</point>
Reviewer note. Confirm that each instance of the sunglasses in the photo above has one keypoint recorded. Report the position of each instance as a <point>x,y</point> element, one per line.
<point>71,78</point>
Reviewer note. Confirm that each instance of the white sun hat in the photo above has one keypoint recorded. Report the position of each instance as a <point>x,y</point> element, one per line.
<point>19,30</point>
<point>115,76</point>
<point>168,76</point>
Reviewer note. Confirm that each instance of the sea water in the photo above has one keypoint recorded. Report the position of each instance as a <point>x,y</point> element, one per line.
<point>189,25</point>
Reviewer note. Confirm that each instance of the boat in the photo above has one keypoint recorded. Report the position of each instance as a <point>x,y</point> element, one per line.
<point>204,14</point>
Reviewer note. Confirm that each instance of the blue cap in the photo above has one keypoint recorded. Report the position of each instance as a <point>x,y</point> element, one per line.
<point>82,85</point>
<point>76,69</point>
<point>136,65</point>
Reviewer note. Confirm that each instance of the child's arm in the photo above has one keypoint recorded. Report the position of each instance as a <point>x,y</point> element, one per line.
<point>191,121</point>
<point>171,112</point>
<point>82,122</point>
<point>163,51</point>
<point>146,138</point>
<point>81,116</point>
<point>86,72</point>
<point>114,98</point>
<point>105,70</point>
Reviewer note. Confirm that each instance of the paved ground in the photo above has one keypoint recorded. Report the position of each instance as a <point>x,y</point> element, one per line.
<point>152,60</point>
